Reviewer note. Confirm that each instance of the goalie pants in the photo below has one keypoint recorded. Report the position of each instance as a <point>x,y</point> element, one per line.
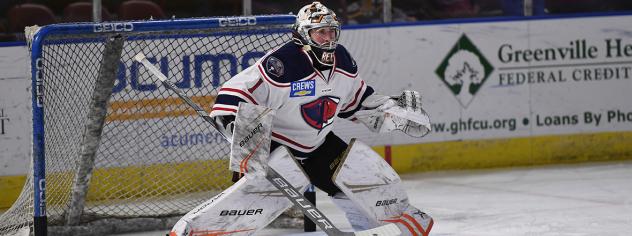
<point>320,164</point>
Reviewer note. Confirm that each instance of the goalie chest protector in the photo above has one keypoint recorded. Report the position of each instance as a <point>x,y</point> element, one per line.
<point>306,100</point>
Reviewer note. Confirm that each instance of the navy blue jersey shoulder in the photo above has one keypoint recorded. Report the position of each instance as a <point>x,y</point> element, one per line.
<point>287,63</point>
<point>344,60</point>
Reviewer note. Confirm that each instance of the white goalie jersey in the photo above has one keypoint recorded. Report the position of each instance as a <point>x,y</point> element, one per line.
<point>306,100</point>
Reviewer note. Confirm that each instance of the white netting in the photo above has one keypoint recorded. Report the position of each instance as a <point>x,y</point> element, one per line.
<point>156,157</point>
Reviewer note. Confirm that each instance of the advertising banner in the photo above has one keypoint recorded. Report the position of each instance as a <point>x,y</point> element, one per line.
<point>503,79</point>
<point>15,111</point>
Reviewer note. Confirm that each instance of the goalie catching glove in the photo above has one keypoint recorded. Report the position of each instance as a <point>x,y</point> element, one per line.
<point>403,113</point>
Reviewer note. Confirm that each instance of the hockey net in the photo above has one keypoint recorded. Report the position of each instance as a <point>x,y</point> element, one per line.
<point>113,143</point>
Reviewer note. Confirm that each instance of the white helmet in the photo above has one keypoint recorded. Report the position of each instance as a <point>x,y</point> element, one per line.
<point>313,16</point>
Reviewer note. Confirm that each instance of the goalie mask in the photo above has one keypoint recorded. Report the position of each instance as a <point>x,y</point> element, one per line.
<point>317,28</point>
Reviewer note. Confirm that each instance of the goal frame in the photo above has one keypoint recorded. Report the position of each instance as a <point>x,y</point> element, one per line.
<point>37,77</point>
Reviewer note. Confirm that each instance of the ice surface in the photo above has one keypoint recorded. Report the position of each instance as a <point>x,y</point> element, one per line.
<point>569,200</point>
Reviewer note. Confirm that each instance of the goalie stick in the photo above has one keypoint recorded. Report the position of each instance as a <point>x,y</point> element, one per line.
<point>271,175</point>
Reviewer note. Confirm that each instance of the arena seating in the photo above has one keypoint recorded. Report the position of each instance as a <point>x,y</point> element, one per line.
<point>82,12</point>
<point>140,10</point>
<point>28,14</point>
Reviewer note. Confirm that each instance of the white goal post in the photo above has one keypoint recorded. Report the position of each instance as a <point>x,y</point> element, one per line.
<point>109,143</point>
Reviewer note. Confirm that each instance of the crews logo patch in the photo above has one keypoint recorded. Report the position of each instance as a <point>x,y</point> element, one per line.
<point>303,88</point>
<point>321,112</point>
<point>275,67</point>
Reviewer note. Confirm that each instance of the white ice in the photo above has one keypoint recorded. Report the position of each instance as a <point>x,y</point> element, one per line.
<point>569,200</point>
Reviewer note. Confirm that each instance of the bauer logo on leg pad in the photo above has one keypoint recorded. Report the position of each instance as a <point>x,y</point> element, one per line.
<point>247,212</point>
<point>386,202</point>
<point>253,131</point>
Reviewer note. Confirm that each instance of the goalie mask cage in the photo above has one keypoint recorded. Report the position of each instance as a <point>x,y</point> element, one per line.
<point>112,146</point>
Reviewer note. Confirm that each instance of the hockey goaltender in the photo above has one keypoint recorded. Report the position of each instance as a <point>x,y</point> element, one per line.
<point>307,83</point>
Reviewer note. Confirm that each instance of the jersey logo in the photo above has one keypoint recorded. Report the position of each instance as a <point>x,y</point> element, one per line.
<point>321,112</point>
<point>275,66</point>
<point>303,88</point>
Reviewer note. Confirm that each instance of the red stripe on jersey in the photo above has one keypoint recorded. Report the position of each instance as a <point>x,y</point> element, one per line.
<point>312,76</point>
<point>320,74</point>
<point>270,80</point>
<point>276,135</point>
<point>355,99</point>
<point>347,74</point>
<point>307,55</point>
<point>252,100</point>
<point>225,109</point>
<point>316,71</point>
<point>252,90</point>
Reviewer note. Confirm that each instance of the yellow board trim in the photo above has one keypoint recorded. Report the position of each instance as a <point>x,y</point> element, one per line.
<point>130,182</point>
<point>10,187</point>
<point>156,108</point>
<point>541,150</point>
<point>455,155</point>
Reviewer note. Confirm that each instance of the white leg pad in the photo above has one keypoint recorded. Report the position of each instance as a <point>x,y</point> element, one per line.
<point>245,207</point>
<point>375,188</point>
<point>355,216</point>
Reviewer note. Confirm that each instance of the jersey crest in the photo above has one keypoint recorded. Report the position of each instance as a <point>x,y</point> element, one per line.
<point>275,66</point>
<point>321,112</point>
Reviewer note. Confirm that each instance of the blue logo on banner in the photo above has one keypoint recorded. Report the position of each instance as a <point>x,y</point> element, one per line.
<point>303,88</point>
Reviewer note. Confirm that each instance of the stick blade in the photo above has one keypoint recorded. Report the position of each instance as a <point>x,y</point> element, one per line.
<point>139,57</point>
<point>384,230</point>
